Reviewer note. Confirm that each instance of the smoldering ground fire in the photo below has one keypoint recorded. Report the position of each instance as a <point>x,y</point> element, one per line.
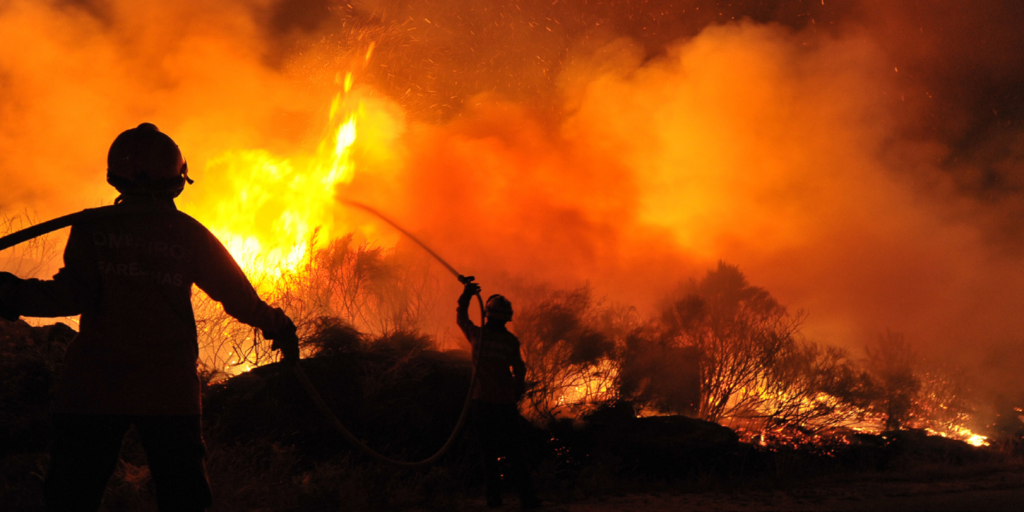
<point>858,161</point>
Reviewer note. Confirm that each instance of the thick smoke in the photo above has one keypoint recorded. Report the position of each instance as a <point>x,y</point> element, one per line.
<point>75,74</point>
<point>861,161</point>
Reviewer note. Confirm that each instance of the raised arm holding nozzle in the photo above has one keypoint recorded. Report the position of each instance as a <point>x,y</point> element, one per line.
<point>129,275</point>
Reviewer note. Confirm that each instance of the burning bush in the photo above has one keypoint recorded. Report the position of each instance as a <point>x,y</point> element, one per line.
<point>891,363</point>
<point>811,388</point>
<point>657,375</point>
<point>912,392</point>
<point>379,291</point>
<point>333,336</point>
<point>726,351</point>
<point>344,285</point>
<point>568,342</point>
<point>721,350</point>
<point>740,334</point>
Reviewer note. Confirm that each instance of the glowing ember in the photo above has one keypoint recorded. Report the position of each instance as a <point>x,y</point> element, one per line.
<point>976,440</point>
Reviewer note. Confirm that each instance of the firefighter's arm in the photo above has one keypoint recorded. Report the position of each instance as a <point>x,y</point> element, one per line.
<point>223,280</point>
<point>470,329</point>
<point>65,295</point>
<point>519,372</point>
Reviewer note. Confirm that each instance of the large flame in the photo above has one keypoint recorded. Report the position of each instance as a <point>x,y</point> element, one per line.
<point>275,206</point>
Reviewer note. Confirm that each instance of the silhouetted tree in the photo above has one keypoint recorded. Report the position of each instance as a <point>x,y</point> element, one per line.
<point>740,334</point>
<point>891,362</point>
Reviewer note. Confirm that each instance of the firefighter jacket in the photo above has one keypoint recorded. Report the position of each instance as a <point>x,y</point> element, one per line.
<point>500,371</point>
<point>130,277</point>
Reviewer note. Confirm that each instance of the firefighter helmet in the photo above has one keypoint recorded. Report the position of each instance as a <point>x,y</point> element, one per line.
<point>498,306</point>
<point>143,159</point>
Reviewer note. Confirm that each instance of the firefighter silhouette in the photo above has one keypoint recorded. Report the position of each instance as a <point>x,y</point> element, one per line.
<point>130,275</point>
<point>500,384</point>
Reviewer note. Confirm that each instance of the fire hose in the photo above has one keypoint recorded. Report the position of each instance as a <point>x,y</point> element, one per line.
<point>43,228</point>
<point>339,426</point>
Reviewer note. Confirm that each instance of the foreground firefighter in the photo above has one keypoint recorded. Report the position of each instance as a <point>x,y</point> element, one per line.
<point>129,275</point>
<point>500,383</point>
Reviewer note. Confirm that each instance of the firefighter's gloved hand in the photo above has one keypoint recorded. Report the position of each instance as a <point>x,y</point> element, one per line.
<point>283,336</point>
<point>288,344</point>
<point>8,307</point>
<point>471,289</point>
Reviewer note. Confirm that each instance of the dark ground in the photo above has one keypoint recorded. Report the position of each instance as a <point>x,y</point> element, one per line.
<point>989,491</point>
<point>270,450</point>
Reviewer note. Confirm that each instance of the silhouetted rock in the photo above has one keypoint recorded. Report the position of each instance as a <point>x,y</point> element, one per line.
<point>657,446</point>
<point>402,404</point>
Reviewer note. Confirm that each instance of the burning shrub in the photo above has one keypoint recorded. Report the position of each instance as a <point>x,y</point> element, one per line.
<point>568,342</point>
<point>404,342</point>
<point>812,389</point>
<point>891,363</point>
<point>725,350</point>
<point>910,392</point>
<point>942,402</point>
<point>1007,430</point>
<point>721,350</point>
<point>659,375</point>
<point>377,291</point>
<point>226,345</point>
<point>333,336</point>
<point>740,333</point>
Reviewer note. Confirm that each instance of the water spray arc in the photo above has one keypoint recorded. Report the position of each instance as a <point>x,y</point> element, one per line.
<point>462,279</point>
